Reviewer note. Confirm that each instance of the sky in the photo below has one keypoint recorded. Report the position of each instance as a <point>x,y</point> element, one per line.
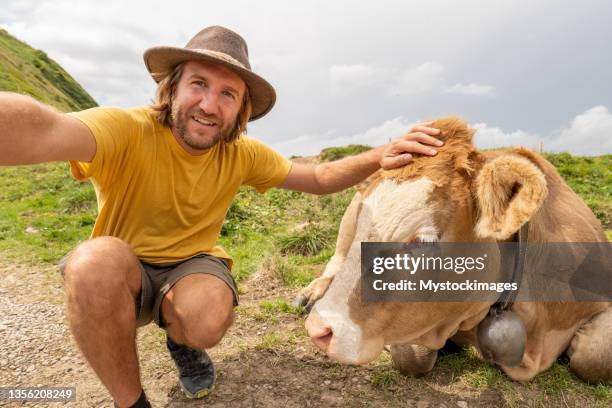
<point>521,72</point>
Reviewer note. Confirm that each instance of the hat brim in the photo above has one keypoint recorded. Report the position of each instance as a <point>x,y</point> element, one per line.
<point>162,59</point>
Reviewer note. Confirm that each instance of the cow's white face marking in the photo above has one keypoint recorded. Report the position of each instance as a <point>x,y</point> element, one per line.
<point>391,213</point>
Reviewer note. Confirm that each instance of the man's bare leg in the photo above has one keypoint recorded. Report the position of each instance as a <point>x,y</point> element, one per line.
<point>198,310</point>
<point>102,279</point>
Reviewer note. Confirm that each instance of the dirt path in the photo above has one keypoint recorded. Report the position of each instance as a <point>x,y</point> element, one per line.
<point>264,361</point>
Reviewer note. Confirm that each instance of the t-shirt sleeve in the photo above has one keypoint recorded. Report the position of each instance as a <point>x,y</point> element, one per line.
<point>112,129</point>
<point>265,167</point>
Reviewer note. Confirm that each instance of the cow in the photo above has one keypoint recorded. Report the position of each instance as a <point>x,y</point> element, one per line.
<point>460,195</point>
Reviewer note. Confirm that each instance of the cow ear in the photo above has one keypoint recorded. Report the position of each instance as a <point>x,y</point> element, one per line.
<point>509,190</point>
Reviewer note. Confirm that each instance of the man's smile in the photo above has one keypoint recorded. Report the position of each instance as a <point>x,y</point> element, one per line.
<point>203,121</point>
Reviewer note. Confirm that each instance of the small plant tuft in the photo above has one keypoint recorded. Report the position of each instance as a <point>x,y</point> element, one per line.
<point>308,241</point>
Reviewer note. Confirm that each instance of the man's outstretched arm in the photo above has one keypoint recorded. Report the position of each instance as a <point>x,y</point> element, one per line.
<point>31,132</point>
<point>326,178</point>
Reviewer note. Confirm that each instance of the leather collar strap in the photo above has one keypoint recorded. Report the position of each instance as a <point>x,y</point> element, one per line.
<point>508,297</point>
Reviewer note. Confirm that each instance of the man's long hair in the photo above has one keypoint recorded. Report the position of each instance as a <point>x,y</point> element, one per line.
<point>162,105</point>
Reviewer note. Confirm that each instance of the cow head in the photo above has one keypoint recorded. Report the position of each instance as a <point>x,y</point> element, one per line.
<point>460,195</point>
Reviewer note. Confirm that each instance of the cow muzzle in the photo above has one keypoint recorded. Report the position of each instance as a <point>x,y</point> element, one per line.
<point>342,340</point>
<point>320,334</point>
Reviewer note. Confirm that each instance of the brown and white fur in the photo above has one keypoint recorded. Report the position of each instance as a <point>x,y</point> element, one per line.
<point>459,195</point>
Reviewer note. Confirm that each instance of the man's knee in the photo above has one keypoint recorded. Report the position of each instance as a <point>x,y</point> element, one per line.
<point>198,310</point>
<point>208,334</point>
<point>100,266</point>
<point>200,329</point>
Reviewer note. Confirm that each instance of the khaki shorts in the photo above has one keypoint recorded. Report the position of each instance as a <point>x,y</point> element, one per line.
<point>158,279</point>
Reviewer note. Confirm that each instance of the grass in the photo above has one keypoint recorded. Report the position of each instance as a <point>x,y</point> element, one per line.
<point>591,178</point>
<point>603,392</point>
<point>43,212</point>
<point>556,380</point>
<point>300,274</point>
<point>270,311</point>
<point>278,306</point>
<point>277,341</point>
<point>310,240</point>
<point>465,367</point>
<point>276,266</point>
<point>336,153</point>
<point>385,377</point>
<point>271,342</point>
<point>560,381</point>
<point>258,225</point>
<point>26,70</point>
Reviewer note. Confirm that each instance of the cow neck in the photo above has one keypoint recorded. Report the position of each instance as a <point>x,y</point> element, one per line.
<point>507,298</point>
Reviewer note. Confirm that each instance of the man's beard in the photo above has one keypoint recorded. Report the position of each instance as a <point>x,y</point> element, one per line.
<point>180,119</point>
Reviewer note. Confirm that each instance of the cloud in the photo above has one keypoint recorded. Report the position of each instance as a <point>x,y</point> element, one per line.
<point>488,137</point>
<point>470,89</point>
<point>357,75</point>
<point>588,134</point>
<point>381,134</point>
<point>312,144</point>
<point>426,77</point>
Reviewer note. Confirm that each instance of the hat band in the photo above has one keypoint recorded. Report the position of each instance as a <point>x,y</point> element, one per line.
<point>220,55</point>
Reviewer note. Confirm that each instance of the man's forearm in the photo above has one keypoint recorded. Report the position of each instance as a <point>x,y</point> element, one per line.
<point>341,174</point>
<point>332,177</point>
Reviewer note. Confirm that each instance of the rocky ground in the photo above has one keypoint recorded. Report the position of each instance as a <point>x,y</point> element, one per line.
<point>264,361</point>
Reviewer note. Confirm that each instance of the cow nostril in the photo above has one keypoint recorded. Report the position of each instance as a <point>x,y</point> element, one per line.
<point>323,339</point>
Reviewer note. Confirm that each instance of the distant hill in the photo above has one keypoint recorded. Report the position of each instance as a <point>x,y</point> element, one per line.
<point>26,70</point>
<point>332,153</point>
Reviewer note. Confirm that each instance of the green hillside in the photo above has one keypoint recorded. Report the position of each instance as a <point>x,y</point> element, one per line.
<point>591,178</point>
<point>26,70</point>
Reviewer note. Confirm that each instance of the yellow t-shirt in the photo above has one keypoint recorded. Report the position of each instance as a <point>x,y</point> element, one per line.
<point>167,204</point>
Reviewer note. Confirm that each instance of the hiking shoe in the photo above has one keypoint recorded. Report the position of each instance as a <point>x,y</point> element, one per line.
<point>196,369</point>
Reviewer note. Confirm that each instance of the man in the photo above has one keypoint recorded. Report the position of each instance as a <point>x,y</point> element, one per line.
<point>165,176</point>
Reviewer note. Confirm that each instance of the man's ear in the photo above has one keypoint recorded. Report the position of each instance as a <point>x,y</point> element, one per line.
<point>509,190</point>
